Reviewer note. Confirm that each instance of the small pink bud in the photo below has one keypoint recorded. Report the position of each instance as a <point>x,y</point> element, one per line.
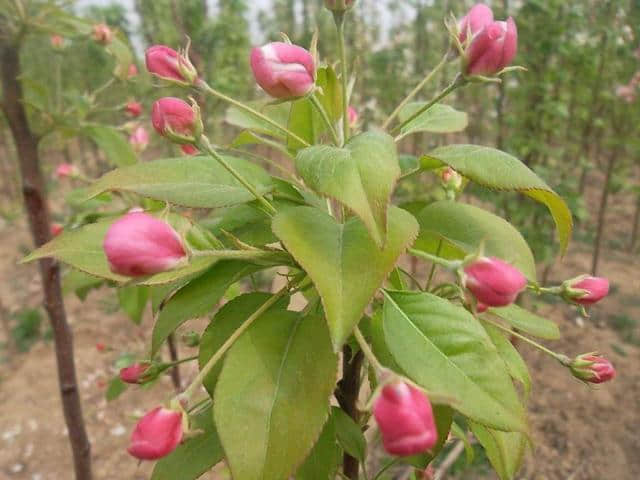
<point>626,93</point>
<point>167,64</point>
<point>189,149</point>
<point>56,229</point>
<point>65,170</point>
<point>481,307</point>
<point>133,108</point>
<point>139,139</point>
<point>492,49</point>
<point>101,347</point>
<point>493,281</point>
<point>451,178</point>
<point>102,34</point>
<point>353,116</point>
<point>57,41</point>
<point>173,118</point>
<point>586,290</point>
<point>283,70</point>
<point>133,373</point>
<point>478,17</point>
<point>405,419</point>
<point>139,244</point>
<point>157,434</point>
<point>132,71</point>
<point>592,368</point>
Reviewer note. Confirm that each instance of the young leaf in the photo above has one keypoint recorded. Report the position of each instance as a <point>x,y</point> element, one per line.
<point>437,119</point>
<point>349,434</point>
<point>322,462</point>
<point>515,364</point>
<point>361,176</point>
<point>116,388</point>
<point>528,322</point>
<point>330,93</point>
<point>504,449</point>
<point>443,348</point>
<point>271,399</point>
<point>462,228</point>
<point>345,265</point>
<point>305,122</point>
<point>113,144</point>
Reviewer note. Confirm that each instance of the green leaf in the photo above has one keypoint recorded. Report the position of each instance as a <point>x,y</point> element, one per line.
<point>272,395</point>
<point>458,432</point>
<point>198,298</point>
<point>224,323</point>
<point>437,119</point>
<point>516,366</point>
<point>132,300</point>
<point>79,282</point>
<point>197,182</point>
<point>343,262</point>
<point>462,228</point>
<point>527,322</point>
<point>123,56</point>
<point>116,388</point>
<point>322,462</point>
<point>444,418</point>
<point>245,222</point>
<point>500,171</point>
<point>505,450</point>
<point>443,348</point>
<point>305,122</point>
<point>113,143</point>
<point>330,92</point>
<point>361,176</point>
<point>245,120</point>
<point>195,456</point>
<point>349,434</point>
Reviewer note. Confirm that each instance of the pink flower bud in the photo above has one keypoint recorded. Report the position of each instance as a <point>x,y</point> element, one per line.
<point>134,108</point>
<point>139,139</point>
<point>586,290</point>
<point>451,178</point>
<point>353,116</point>
<point>139,244</point>
<point>492,49</point>
<point>171,116</point>
<point>56,229</point>
<point>481,307</point>
<point>166,63</point>
<point>101,347</point>
<point>478,17</point>
<point>188,149</point>
<point>592,368</point>
<point>57,41</point>
<point>132,71</point>
<point>405,419</point>
<point>133,373</point>
<point>626,93</point>
<point>102,34</point>
<point>65,170</point>
<point>157,434</point>
<point>283,70</point>
<point>494,282</point>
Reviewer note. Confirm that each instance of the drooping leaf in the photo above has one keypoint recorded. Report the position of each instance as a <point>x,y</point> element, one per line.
<point>197,182</point>
<point>504,449</point>
<point>330,93</point>
<point>443,348</point>
<point>462,228</point>
<point>438,118</point>
<point>322,462</point>
<point>349,434</point>
<point>342,260</point>
<point>515,364</point>
<point>113,143</point>
<point>500,171</point>
<point>528,322</point>
<point>271,399</point>
<point>132,300</point>
<point>361,176</point>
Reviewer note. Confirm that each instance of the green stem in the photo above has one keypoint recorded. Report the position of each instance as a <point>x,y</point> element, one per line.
<point>237,254</point>
<point>204,86</point>
<point>203,144</point>
<point>458,82</point>
<point>415,91</point>
<point>339,20</point>
<point>449,264</point>
<point>323,113</point>
<point>103,87</point>
<point>433,267</point>
<point>386,467</point>
<point>366,350</point>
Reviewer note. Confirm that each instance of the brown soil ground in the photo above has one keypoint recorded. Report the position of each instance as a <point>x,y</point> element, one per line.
<point>580,433</point>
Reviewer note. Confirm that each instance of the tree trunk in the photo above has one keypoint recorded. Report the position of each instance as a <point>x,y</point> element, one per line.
<point>347,396</point>
<point>604,199</point>
<point>33,190</point>
<point>636,226</point>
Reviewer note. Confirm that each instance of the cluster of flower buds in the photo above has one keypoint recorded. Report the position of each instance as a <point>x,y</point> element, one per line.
<point>175,67</point>
<point>139,139</point>
<point>629,92</point>
<point>177,120</point>
<point>283,70</point>
<point>339,5</point>
<point>157,434</point>
<point>584,290</point>
<point>102,34</point>
<point>405,419</point>
<point>488,46</point>
<point>592,368</point>
<point>493,282</point>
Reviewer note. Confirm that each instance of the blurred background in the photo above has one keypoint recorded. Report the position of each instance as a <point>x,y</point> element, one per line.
<point>572,117</point>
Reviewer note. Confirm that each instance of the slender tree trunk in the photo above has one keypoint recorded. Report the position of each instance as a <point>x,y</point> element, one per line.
<point>604,199</point>
<point>636,227</point>
<point>173,354</point>
<point>347,395</point>
<point>33,190</point>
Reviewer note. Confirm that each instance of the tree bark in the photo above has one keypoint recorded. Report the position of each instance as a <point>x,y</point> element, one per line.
<point>604,199</point>
<point>636,226</point>
<point>33,191</point>
<point>175,370</point>
<point>347,396</point>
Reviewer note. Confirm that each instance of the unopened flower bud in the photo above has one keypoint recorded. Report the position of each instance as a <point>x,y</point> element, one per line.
<point>57,41</point>
<point>339,5</point>
<point>101,347</point>
<point>474,21</point>
<point>481,307</point>
<point>405,419</point>
<point>494,282</point>
<point>492,49</point>
<point>102,34</point>
<point>56,229</point>
<point>133,108</point>
<point>283,70</point>
<point>177,120</point>
<point>353,116</point>
<point>134,373</point>
<point>592,368</point>
<point>139,244</point>
<point>451,179</point>
<point>170,65</point>
<point>132,71</point>
<point>189,149</point>
<point>157,434</point>
<point>66,170</point>
<point>139,139</point>
<point>626,93</point>
<point>585,290</point>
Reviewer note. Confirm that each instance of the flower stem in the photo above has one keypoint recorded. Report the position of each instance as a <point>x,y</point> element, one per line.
<point>323,113</point>
<point>339,20</point>
<point>366,349</point>
<point>415,91</point>
<point>449,264</point>
<point>204,86</point>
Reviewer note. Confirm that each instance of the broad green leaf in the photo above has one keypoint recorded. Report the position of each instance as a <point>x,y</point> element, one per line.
<point>245,222</point>
<point>198,298</point>
<point>504,449</point>
<point>443,348</point>
<point>322,462</point>
<point>437,119</point>
<point>305,122</point>
<point>195,456</point>
<point>361,176</point>
<point>458,432</point>
<point>271,399</point>
<point>349,434</point>
<point>79,282</point>
<point>516,366</point>
<point>527,322</point>
<point>330,93</point>
<point>116,388</point>
<point>113,143</point>
<point>462,228</point>
<point>196,265</point>
<point>197,182</point>
<point>278,113</point>
<point>342,260</point>
<point>500,171</point>
<point>224,323</point>
<point>132,300</point>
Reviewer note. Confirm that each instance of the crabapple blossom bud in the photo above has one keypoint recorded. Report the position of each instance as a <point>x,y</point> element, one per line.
<point>56,229</point>
<point>493,281</point>
<point>157,434</point>
<point>189,149</point>
<point>57,41</point>
<point>139,139</point>
<point>133,108</point>
<point>405,419</point>
<point>492,49</point>
<point>132,71</point>
<point>101,347</point>
<point>451,178</point>
<point>283,70</point>
<point>474,21</point>
<point>592,368</point>
<point>133,373</point>
<point>626,93</point>
<point>176,119</point>
<point>139,244</point>
<point>65,170</point>
<point>339,5</point>
<point>481,307</point>
<point>170,65</point>
<point>102,34</point>
<point>585,290</point>
<point>353,116</point>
